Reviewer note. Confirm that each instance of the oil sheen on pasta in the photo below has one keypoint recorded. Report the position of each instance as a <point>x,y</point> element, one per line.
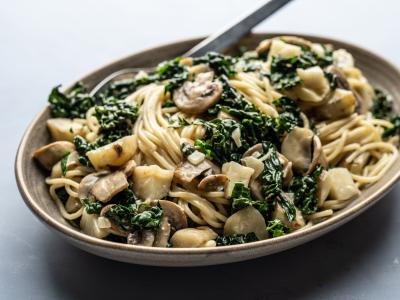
<point>219,150</point>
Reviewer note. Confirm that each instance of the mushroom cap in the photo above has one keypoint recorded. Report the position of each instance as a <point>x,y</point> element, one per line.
<point>175,214</point>
<point>115,229</point>
<point>213,183</point>
<point>163,233</point>
<point>87,183</point>
<point>195,97</point>
<point>108,186</point>
<point>303,149</point>
<point>254,149</point>
<point>50,154</point>
<point>193,237</point>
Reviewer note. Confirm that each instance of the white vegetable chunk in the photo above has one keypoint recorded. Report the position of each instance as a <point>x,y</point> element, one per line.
<point>342,184</point>
<point>254,163</point>
<point>193,237</point>
<point>152,182</point>
<point>196,157</point>
<point>62,129</point>
<point>245,221</point>
<point>236,173</point>
<point>114,154</point>
<point>89,225</point>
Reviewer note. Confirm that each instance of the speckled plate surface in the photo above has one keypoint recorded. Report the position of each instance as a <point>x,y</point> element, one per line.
<point>30,177</point>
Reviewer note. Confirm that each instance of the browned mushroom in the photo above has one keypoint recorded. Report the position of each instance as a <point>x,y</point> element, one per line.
<point>108,186</point>
<point>213,183</point>
<point>141,238</point>
<point>195,97</point>
<point>114,229</point>
<point>303,149</point>
<point>50,154</point>
<point>187,173</point>
<point>174,213</point>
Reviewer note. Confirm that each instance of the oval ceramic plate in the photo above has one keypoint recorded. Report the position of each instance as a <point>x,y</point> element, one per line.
<point>31,183</point>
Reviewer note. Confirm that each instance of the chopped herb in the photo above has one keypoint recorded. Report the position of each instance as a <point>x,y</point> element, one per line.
<point>304,189</point>
<point>382,106</point>
<point>221,64</point>
<point>175,72</point>
<point>71,105</point>
<point>393,130</point>
<point>168,103</point>
<point>236,239</point>
<point>134,217</point>
<point>91,207</point>
<point>241,198</point>
<point>178,123</point>
<point>187,149</point>
<point>276,228</point>
<point>62,194</point>
<point>64,161</point>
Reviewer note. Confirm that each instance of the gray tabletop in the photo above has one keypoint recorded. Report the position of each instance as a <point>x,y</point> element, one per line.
<point>44,43</point>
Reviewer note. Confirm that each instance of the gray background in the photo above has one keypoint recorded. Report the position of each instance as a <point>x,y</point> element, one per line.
<point>44,43</point>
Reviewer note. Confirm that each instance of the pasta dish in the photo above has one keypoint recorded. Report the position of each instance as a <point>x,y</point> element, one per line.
<point>219,150</point>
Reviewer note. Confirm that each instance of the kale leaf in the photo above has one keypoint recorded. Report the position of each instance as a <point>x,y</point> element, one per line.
<point>272,181</point>
<point>63,162</point>
<point>393,130</point>
<point>241,198</point>
<point>304,189</point>
<point>134,216</point>
<point>276,228</point>
<point>221,64</point>
<point>382,106</point>
<point>236,239</point>
<point>91,207</point>
<point>283,70</point>
<point>174,71</point>
<point>62,194</point>
<point>71,105</point>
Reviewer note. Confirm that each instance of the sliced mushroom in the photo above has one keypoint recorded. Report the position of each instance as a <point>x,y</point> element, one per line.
<point>340,104</point>
<point>50,154</point>
<point>213,183</point>
<point>286,168</point>
<point>175,214</point>
<point>113,155</point>
<point>144,238</point>
<point>303,149</point>
<point>187,173</point>
<point>129,167</point>
<point>62,129</point>
<point>195,97</point>
<point>193,237</point>
<point>245,221</point>
<point>152,182</point>
<point>163,233</point>
<point>108,186</point>
<point>87,183</point>
<point>255,151</point>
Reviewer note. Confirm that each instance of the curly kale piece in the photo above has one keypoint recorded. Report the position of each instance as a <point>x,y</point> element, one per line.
<point>91,207</point>
<point>219,63</point>
<point>236,239</point>
<point>135,216</point>
<point>71,105</point>
<point>283,70</point>
<point>63,162</point>
<point>382,106</point>
<point>241,198</point>
<point>304,189</point>
<point>276,228</point>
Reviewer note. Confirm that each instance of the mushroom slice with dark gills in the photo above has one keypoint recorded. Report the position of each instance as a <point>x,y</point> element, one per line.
<point>279,213</point>
<point>50,154</point>
<point>188,174</point>
<point>102,185</point>
<point>212,183</point>
<point>304,149</point>
<point>195,97</point>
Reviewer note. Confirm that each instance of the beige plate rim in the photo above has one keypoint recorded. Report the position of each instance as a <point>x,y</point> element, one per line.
<point>330,223</point>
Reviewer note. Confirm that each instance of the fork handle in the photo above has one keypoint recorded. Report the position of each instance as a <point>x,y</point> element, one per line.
<point>235,31</point>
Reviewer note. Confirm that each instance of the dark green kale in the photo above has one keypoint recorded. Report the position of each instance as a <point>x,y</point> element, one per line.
<point>63,162</point>
<point>71,105</point>
<point>221,64</point>
<point>168,103</point>
<point>178,123</point>
<point>272,182</point>
<point>126,197</point>
<point>82,146</point>
<point>134,216</point>
<point>304,189</point>
<point>382,107</point>
<point>116,119</point>
<point>91,207</point>
<point>241,198</point>
<point>187,149</point>
<point>173,71</point>
<point>393,130</point>
<point>276,228</point>
<point>218,143</point>
<point>289,116</point>
<point>283,70</point>
<point>62,194</point>
<point>236,239</point>
<point>120,89</point>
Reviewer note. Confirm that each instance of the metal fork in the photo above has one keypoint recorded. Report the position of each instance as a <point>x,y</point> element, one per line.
<point>216,42</point>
